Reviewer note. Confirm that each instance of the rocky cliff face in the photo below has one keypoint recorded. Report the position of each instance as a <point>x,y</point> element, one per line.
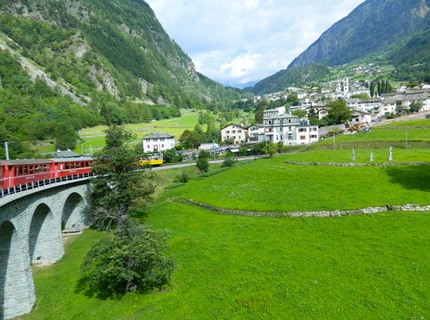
<point>371,26</point>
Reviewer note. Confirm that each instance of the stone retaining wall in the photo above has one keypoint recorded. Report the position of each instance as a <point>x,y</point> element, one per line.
<point>336,213</point>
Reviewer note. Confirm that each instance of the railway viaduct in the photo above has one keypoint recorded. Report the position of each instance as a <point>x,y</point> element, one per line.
<point>31,225</point>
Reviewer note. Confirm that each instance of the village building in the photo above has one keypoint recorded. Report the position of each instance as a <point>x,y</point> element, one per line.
<point>236,132</point>
<point>157,142</point>
<point>282,127</point>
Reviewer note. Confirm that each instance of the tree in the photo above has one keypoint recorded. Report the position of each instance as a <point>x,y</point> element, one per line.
<point>190,139</point>
<point>270,149</point>
<point>415,106</point>
<point>299,113</point>
<point>313,117</point>
<point>338,112</point>
<point>261,106</point>
<point>117,187</point>
<point>293,99</point>
<point>130,259</point>
<point>203,164</point>
<point>65,136</point>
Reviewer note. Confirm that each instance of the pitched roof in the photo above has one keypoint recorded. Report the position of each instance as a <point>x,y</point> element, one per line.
<point>158,135</point>
<point>66,154</point>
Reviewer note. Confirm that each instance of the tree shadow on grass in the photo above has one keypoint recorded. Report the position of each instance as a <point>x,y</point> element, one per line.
<point>84,286</point>
<point>413,177</point>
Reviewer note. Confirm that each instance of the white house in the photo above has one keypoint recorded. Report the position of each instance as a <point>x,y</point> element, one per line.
<point>255,133</point>
<point>288,129</point>
<point>360,116</point>
<point>237,132</point>
<point>158,141</point>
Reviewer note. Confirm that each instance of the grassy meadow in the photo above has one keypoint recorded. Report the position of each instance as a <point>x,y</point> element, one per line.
<point>236,267</point>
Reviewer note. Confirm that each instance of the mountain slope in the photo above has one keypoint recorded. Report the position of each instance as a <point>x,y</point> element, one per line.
<point>370,27</point>
<point>117,46</point>
<point>65,65</point>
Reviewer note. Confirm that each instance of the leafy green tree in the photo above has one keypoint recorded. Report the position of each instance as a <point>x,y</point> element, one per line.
<point>360,96</point>
<point>293,99</point>
<point>299,113</point>
<point>204,154</point>
<point>118,188</point>
<point>261,106</point>
<point>372,89</point>
<point>338,112</point>
<point>203,164</point>
<point>313,117</point>
<point>270,149</point>
<point>129,259</point>
<point>190,139</point>
<point>415,106</point>
<point>170,156</point>
<point>65,136</point>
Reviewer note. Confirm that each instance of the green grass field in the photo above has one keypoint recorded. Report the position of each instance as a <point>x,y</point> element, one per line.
<point>235,267</point>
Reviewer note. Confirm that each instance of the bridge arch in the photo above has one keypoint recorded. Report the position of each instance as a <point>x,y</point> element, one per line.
<point>15,274</point>
<point>75,213</point>
<point>45,241</point>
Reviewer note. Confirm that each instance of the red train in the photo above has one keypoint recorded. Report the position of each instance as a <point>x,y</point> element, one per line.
<point>24,174</point>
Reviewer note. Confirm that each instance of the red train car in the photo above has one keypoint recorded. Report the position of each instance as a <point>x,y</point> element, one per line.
<point>71,167</point>
<point>14,173</point>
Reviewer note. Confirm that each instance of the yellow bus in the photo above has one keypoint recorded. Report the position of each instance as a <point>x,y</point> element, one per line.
<point>154,159</point>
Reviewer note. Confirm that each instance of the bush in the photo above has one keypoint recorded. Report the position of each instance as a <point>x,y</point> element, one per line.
<point>129,259</point>
<point>229,162</point>
<point>204,154</point>
<point>183,177</point>
<point>203,164</point>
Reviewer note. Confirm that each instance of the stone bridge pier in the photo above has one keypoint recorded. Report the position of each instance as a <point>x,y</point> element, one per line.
<point>31,233</point>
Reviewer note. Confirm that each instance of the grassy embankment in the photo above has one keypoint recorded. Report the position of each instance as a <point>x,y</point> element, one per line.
<point>235,267</point>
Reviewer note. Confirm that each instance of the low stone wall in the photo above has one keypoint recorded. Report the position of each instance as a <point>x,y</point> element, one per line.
<point>353,164</point>
<point>336,213</point>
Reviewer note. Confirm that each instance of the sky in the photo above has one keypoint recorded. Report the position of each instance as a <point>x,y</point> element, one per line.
<point>239,41</point>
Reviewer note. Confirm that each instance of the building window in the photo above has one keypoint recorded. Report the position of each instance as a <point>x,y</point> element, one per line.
<point>227,132</point>
<point>149,147</point>
<point>314,136</point>
<point>302,137</point>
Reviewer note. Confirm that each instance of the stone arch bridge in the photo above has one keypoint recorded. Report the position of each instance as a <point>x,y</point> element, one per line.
<point>31,225</point>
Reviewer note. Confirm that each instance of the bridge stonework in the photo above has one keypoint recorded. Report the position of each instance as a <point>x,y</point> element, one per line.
<point>31,233</point>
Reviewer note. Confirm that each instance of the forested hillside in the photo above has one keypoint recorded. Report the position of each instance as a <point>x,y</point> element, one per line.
<point>82,63</point>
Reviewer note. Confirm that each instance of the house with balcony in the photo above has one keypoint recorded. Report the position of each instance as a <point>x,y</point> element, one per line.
<point>255,133</point>
<point>157,142</point>
<point>289,129</point>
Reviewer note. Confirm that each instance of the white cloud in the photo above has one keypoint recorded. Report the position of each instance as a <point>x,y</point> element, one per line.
<point>236,41</point>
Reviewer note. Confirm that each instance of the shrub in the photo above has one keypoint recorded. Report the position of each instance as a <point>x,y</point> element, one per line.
<point>203,164</point>
<point>129,259</point>
<point>183,177</point>
<point>229,162</point>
